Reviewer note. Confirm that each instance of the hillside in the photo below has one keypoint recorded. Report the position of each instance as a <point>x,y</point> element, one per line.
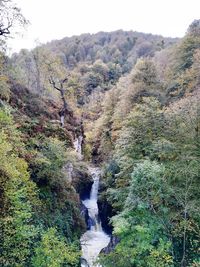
<point>91,61</point>
<point>119,47</point>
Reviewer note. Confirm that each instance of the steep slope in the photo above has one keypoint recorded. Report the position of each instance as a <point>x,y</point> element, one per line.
<point>40,205</point>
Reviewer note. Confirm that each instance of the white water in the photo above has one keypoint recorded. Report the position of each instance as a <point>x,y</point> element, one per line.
<point>95,239</point>
<point>78,145</point>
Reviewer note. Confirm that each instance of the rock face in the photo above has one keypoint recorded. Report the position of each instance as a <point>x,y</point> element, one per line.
<point>82,182</point>
<point>85,215</point>
<point>111,246</point>
<point>105,210</point>
<point>105,213</point>
<point>84,262</point>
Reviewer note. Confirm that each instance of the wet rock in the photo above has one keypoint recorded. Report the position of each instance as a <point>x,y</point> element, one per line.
<point>84,262</point>
<point>105,213</point>
<point>111,246</point>
<point>85,215</point>
<point>82,182</point>
<point>105,210</point>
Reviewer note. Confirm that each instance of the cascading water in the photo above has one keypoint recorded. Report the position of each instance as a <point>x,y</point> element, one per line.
<point>95,239</point>
<point>78,145</point>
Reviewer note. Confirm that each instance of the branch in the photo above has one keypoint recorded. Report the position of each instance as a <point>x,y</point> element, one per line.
<point>62,83</point>
<point>5,30</point>
<point>64,80</point>
<point>52,82</point>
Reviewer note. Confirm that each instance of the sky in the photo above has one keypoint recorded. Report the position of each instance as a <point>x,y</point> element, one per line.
<point>50,19</point>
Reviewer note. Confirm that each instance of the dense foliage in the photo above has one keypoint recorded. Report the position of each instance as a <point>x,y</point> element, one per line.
<point>32,210</point>
<point>40,221</point>
<point>155,144</point>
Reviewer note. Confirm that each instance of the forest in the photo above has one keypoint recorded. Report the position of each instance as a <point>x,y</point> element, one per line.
<point>131,100</point>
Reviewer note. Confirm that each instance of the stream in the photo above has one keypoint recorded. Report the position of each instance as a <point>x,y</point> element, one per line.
<point>95,239</point>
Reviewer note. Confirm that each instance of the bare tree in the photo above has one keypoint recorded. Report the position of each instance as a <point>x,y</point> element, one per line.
<point>10,16</point>
<point>59,86</point>
<point>36,58</point>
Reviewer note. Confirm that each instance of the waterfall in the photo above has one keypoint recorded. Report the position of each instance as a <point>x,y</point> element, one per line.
<point>62,120</point>
<point>78,145</point>
<point>95,239</point>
